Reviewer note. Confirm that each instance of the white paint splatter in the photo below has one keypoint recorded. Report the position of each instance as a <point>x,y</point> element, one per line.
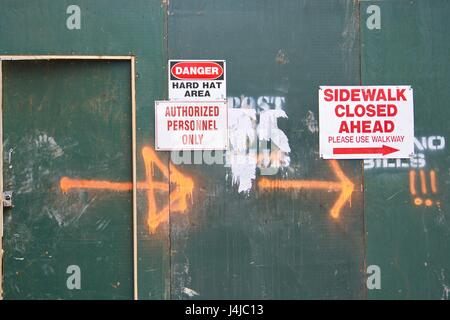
<point>241,126</point>
<point>34,153</point>
<point>445,287</point>
<point>191,293</point>
<point>48,142</point>
<point>268,129</point>
<point>244,134</point>
<point>68,211</point>
<point>445,292</point>
<point>311,122</point>
<point>242,153</point>
<point>243,168</point>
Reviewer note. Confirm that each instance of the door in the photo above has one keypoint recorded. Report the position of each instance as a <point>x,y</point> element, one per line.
<point>67,152</point>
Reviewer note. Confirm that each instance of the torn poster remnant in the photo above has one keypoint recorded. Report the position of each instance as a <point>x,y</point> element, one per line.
<point>256,141</point>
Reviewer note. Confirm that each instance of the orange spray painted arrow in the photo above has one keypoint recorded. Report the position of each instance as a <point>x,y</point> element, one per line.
<point>177,197</point>
<point>344,185</point>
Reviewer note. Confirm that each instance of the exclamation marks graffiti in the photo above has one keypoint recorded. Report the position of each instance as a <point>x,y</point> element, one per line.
<point>421,189</point>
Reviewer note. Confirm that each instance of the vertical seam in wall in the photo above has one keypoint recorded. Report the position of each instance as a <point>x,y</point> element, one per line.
<point>134,195</point>
<point>168,287</point>
<point>1,180</point>
<point>362,161</point>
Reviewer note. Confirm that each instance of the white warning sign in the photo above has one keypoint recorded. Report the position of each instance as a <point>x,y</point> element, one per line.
<point>197,80</point>
<point>189,125</point>
<point>361,122</point>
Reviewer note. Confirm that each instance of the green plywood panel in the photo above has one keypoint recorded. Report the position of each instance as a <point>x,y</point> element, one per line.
<point>73,119</point>
<point>408,239</point>
<point>236,238</point>
<point>107,28</point>
<point>273,243</point>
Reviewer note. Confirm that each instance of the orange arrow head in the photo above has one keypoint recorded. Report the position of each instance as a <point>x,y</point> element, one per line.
<point>182,190</point>
<point>344,185</point>
<point>347,188</point>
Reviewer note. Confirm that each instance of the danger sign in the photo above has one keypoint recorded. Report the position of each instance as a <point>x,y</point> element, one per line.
<point>188,125</point>
<point>361,122</point>
<point>198,80</point>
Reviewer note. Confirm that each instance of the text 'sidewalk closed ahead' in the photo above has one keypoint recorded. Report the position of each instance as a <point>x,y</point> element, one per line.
<point>359,122</point>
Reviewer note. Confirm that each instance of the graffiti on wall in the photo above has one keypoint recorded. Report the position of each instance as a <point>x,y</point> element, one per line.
<point>342,185</point>
<point>178,196</point>
<point>256,141</point>
<point>422,186</point>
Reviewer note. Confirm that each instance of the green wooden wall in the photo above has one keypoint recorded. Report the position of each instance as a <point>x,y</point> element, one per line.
<point>276,244</point>
<point>232,231</point>
<point>408,235</point>
<point>107,28</point>
<point>57,117</point>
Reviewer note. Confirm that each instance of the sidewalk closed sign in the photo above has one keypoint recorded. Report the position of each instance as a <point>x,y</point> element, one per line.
<point>361,122</point>
<point>182,125</point>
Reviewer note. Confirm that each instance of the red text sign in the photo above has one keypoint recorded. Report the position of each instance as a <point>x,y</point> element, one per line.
<point>358,122</point>
<point>197,80</point>
<point>188,125</point>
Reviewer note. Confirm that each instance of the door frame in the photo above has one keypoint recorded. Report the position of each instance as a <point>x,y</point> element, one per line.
<point>132,60</point>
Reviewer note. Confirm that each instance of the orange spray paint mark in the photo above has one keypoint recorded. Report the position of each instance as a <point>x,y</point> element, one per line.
<point>412,182</point>
<point>344,185</point>
<point>183,187</point>
<point>423,187</point>
<point>433,181</point>
<point>275,159</point>
<point>423,182</point>
<point>418,201</point>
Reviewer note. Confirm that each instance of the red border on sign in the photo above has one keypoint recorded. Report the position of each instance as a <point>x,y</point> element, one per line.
<point>190,149</point>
